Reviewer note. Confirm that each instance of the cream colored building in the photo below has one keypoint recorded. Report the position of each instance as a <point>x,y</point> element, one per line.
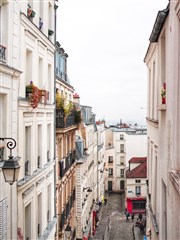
<point>10,73</point>
<point>121,145</point>
<point>30,49</point>
<point>85,173</point>
<point>162,60</point>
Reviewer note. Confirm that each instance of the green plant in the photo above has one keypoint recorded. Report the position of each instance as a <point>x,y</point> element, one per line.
<point>78,117</point>
<point>63,103</point>
<point>60,101</point>
<point>163,92</point>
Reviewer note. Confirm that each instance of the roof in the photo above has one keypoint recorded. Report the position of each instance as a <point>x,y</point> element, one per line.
<point>137,159</point>
<point>140,171</point>
<point>76,95</point>
<point>159,22</point>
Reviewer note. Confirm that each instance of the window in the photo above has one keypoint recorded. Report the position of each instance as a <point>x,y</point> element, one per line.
<point>122,172</point>
<point>110,159</point>
<point>40,72</point>
<point>138,190</point>
<point>139,205</point>
<point>49,143</point>
<point>137,181</point>
<point>28,222</point>
<point>121,137</point>
<point>39,136</point>
<point>122,160</point>
<point>28,66</point>
<point>49,203</point>
<point>110,171</point>
<point>121,148</point>
<point>39,226</point>
<point>27,150</point>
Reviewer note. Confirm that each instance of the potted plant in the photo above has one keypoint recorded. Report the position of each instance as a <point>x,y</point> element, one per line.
<point>50,32</point>
<point>30,12</point>
<point>29,90</point>
<point>163,95</point>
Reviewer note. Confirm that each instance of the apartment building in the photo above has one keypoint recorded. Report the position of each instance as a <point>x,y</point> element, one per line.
<point>101,166</point>
<point>66,126</point>
<point>121,145</point>
<point>85,180</point>
<point>27,97</point>
<point>10,73</point>
<point>162,60</point>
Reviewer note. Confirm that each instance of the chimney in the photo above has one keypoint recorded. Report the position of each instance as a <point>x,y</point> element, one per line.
<point>76,98</point>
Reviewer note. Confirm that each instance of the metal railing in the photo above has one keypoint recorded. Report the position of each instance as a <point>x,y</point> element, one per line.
<point>69,160</point>
<point>2,53</point>
<point>63,121</point>
<point>67,210</point>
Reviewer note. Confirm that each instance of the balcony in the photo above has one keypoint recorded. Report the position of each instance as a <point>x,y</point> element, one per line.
<point>68,162</point>
<point>2,54</point>
<point>67,210</point>
<point>63,121</point>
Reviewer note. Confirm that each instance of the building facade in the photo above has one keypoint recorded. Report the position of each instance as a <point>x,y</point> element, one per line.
<point>162,60</point>
<point>66,127</point>
<point>121,145</point>
<point>85,174</point>
<point>136,188</point>
<point>28,100</point>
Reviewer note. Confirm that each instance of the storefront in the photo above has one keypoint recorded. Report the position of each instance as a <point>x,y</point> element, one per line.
<point>136,205</point>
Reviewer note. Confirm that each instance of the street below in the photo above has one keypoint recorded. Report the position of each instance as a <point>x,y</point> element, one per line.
<point>112,222</point>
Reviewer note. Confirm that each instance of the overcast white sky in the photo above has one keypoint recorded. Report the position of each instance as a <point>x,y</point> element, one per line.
<point>106,41</point>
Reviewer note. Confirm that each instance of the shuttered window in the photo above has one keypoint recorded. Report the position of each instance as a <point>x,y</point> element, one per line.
<point>3,219</point>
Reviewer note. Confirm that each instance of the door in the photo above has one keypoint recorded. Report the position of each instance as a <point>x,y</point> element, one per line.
<point>109,185</point>
<point>122,184</point>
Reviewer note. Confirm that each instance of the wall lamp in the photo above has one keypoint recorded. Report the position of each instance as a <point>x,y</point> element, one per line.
<point>11,166</point>
<point>88,189</point>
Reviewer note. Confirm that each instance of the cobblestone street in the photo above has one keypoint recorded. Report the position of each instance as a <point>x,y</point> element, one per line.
<point>113,225</point>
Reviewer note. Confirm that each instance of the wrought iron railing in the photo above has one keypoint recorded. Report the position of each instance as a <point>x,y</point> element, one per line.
<point>2,53</point>
<point>64,165</point>
<point>63,121</point>
<point>67,209</point>
<point>62,220</point>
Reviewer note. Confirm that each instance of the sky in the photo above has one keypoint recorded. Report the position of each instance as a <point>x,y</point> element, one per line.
<point>106,41</point>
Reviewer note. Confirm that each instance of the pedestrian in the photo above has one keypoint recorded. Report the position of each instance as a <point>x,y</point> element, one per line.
<point>127,216</point>
<point>140,216</point>
<point>132,217</point>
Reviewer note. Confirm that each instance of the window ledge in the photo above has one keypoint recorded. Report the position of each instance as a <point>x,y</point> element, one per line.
<point>162,107</point>
<point>174,176</point>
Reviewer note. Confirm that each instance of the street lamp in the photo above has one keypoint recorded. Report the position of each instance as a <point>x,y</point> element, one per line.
<point>11,166</point>
<point>88,189</point>
<point>68,231</point>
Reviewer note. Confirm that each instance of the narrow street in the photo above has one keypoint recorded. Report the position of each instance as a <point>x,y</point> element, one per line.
<point>113,225</point>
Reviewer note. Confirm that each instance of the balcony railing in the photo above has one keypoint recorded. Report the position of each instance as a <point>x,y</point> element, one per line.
<point>62,220</point>
<point>63,121</point>
<point>1,153</point>
<point>67,210</point>
<point>2,54</point>
<point>69,160</point>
